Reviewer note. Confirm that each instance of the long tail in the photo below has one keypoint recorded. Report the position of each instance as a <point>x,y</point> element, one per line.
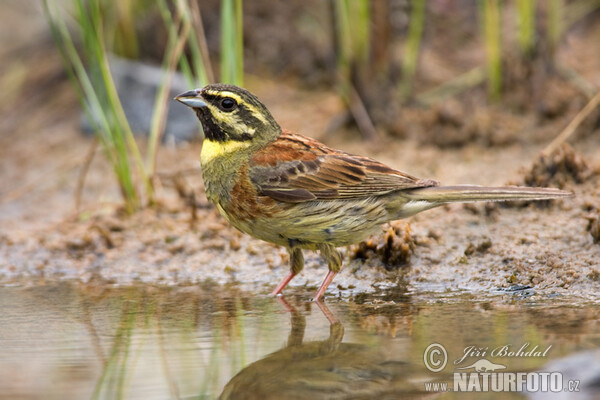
<point>470,193</point>
<point>416,200</point>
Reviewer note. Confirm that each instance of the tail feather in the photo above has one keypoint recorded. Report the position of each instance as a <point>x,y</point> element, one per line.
<point>469,193</point>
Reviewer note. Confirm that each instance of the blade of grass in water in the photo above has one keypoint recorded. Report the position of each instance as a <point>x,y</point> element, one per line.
<point>489,11</point>
<point>240,331</point>
<point>111,383</point>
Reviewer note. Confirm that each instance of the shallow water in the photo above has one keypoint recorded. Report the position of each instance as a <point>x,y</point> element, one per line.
<point>68,341</point>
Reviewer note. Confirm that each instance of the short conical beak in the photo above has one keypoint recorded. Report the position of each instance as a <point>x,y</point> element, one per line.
<point>191,98</point>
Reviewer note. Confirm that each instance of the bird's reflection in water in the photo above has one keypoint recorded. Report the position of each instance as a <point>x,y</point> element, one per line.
<point>327,369</point>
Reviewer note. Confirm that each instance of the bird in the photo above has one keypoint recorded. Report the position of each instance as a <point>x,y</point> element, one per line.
<point>296,192</point>
<point>326,369</point>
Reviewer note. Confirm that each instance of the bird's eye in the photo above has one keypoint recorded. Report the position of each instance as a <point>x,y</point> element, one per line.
<point>228,104</point>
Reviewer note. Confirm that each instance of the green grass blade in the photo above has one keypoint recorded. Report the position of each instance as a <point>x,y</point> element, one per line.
<point>344,47</point>
<point>554,31</point>
<point>232,66</point>
<point>172,24</point>
<point>173,53</point>
<point>412,46</point>
<point>526,25</point>
<point>97,93</point>
<point>491,23</point>
<point>123,137</point>
<point>199,47</point>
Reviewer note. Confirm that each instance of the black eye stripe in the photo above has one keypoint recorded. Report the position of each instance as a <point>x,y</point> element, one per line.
<point>234,114</point>
<point>210,97</point>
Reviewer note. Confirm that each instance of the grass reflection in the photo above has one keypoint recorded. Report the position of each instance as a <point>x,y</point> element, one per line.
<point>65,341</point>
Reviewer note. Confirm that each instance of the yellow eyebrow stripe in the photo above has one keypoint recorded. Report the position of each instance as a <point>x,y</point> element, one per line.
<point>225,93</point>
<point>212,149</point>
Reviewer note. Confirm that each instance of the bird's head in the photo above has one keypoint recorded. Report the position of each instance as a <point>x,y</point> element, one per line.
<point>229,113</point>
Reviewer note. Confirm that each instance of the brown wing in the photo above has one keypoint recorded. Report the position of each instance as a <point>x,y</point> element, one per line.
<point>295,168</point>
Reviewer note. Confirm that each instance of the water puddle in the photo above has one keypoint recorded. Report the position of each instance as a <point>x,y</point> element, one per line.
<point>67,341</point>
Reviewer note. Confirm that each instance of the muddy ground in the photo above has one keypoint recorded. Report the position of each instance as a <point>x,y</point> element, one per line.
<point>529,250</point>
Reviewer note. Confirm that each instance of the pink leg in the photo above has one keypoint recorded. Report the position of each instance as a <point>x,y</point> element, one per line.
<point>288,307</point>
<point>283,283</point>
<point>296,265</point>
<point>330,275</point>
<point>327,313</point>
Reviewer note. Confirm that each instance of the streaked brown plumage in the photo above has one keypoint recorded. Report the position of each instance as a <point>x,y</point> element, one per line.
<point>294,191</point>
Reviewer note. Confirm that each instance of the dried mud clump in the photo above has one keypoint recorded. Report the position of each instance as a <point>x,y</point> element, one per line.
<point>394,249</point>
<point>562,167</point>
<point>594,228</point>
<point>480,247</point>
<point>594,275</point>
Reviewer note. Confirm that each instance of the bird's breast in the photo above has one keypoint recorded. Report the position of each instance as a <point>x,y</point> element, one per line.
<point>244,203</point>
<point>220,163</point>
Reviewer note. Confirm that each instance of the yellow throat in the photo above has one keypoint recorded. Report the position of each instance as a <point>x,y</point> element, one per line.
<point>212,149</point>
